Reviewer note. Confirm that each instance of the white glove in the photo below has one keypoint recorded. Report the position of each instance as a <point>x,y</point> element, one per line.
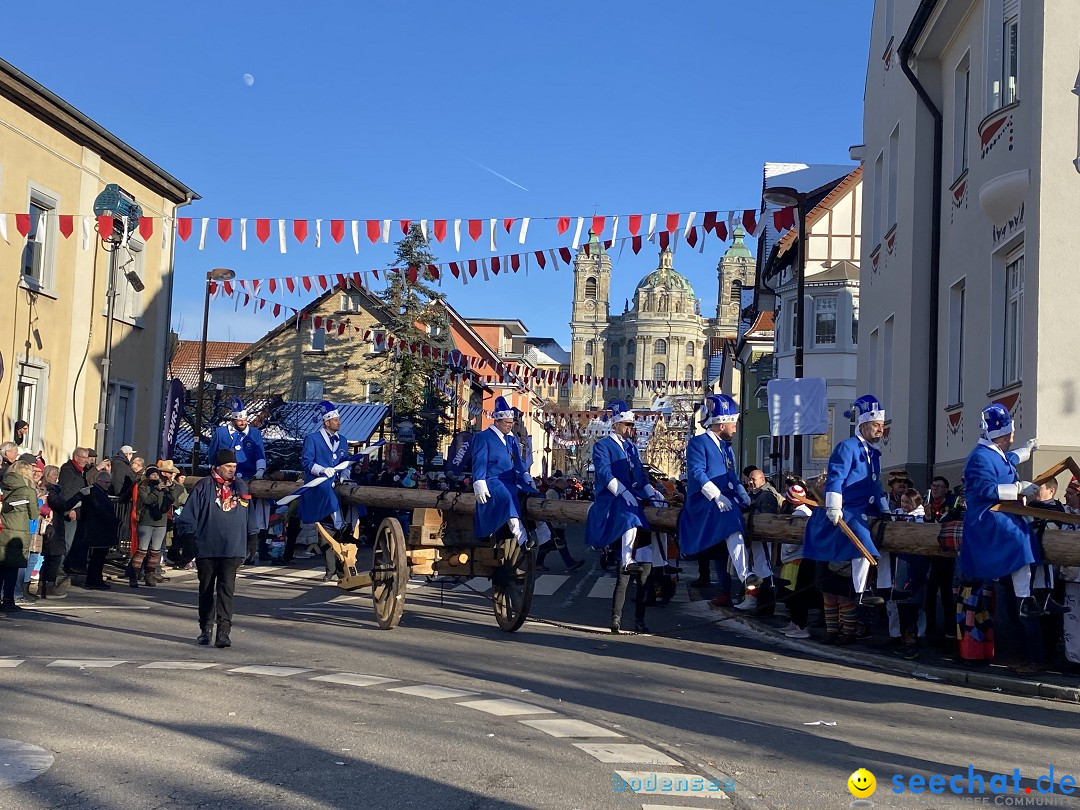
<point>480,490</point>
<point>259,473</point>
<point>329,473</point>
<point>1024,453</point>
<point>722,503</point>
<point>1029,490</point>
<point>834,514</point>
<point>628,496</point>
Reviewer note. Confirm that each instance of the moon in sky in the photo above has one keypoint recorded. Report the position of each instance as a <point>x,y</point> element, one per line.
<point>249,79</point>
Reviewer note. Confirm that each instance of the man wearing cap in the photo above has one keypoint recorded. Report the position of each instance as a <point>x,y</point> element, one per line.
<point>123,477</point>
<point>215,517</point>
<point>997,544</point>
<point>715,493</point>
<point>853,491</point>
<point>246,441</point>
<point>499,476</point>
<point>323,451</point>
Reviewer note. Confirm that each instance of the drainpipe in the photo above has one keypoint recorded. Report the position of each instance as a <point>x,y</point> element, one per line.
<point>915,30</point>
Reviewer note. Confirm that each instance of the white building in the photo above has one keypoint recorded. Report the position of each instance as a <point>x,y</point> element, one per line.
<point>971,158</point>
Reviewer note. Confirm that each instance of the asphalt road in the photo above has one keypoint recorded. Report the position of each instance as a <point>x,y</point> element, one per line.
<point>114,706</point>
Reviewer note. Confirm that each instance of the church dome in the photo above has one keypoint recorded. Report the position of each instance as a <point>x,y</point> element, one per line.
<point>667,277</point>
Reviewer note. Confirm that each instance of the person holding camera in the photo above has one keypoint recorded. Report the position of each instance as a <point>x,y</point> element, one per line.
<point>155,497</point>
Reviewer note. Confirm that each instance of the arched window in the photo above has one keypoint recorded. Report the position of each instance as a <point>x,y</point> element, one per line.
<point>689,373</point>
<point>588,369</point>
<point>614,372</point>
<point>630,346</point>
<point>659,372</point>
<point>660,347</point>
<point>589,346</point>
<point>590,288</point>
<point>689,348</point>
<point>736,292</point>
<point>614,349</point>
<point>629,371</point>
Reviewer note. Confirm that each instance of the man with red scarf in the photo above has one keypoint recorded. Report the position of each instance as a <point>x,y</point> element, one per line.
<point>215,517</point>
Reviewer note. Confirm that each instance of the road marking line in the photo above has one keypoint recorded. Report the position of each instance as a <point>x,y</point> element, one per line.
<point>431,691</point>
<point>88,607</point>
<point>476,584</point>
<point>10,663</point>
<point>277,672</point>
<point>670,807</point>
<point>547,584</point>
<point>352,679</point>
<point>617,753</point>
<point>672,784</point>
<point>85,662</point>
<point>603,589</point>
<point>504,707</point>
<point>176,665</point>
<point>567,727</point>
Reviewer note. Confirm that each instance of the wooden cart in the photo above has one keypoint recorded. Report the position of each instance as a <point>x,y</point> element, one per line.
<point>440,543</point>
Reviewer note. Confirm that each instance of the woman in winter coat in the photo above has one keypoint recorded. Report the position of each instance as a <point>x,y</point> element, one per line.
<point>53,545</point>
<point>19,507</point>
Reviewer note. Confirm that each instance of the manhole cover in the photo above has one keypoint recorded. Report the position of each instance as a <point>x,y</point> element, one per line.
<point>21,762</point>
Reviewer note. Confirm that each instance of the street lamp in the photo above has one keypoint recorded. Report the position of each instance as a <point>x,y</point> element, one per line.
<point>215,275</point>
<point>788,197</point>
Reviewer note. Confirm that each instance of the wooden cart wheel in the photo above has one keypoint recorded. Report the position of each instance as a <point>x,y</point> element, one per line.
<point>389,574</point>
<point>512,586</point>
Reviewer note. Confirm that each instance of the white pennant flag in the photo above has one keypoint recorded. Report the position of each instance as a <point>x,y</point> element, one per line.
<point>318,233</point>
<point>704,235</point>
<point>202,232</point>
<point>356,237</point>
<point>524,230</point>
<point>622,244</point>
<point>123,231</point>
<point>457,235</point>
<point>689,224</point>
<point>492,224</point>
<point>464,271</point>
<point>484,267</point>
<point>615,229</point>
<point>554,260</point>
<point>3,228</point>
<point>166,228</point>
<point>423,229</point>
<point>84,231</point>
<point>732,222</point>
<point>281,234</point>
<point>577,231</point>
<point>652,226</point>
<point>243,233</point>
<point>386,231</point>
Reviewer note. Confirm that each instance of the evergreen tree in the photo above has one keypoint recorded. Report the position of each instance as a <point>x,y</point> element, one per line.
<point>417,316</point>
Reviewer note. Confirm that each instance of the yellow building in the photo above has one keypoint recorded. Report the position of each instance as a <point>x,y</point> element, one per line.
<point>54,162</point>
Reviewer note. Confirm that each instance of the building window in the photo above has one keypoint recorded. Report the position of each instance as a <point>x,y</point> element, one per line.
<point>378,341</point>
<point>879,179</point>
<point>688,374</point>
<point>589,348</point>
<point>30,391</point>
<point>764,454</point>
<point>374,392</point>
<point>350,302</point>
<point>690,348</point>
<point>588,369</point>
<point>318,339</point>
<point>614,349</point>
<point>887,361</point>
<point>854,320</point>
<point>1012,366</point>
<point>313,390</point>
<point>39,254</point>
<point>564,392</point>
<point>630,346</point>
<point>129,301</point>
<point>825,320</point>
<point>121,415</point>
<point>790,321</point>
<point>659,372</point>
<point>894,177</point>
<point>629,371</point>
<point>957,306</point>
<point>890,17</point>
<point>551,392</point>
<point>1010,53</point>
<point>961,94</point>
<point>614,372</point>
<point>660,347</point>
<point>590,288</point>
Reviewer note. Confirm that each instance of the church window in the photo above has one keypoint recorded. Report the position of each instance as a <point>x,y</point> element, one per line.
<point>689,373</point>
<point>590,288</point>
<point>659,372</point>
<point>588,369</point>
<point>660,347</point>
<point>736,291</point>
<point>629,371</point>
<point>589,348</point>
<point>615,349</point>
<point>614,372</point>
<point>630,346</point>
<point>690,348</point>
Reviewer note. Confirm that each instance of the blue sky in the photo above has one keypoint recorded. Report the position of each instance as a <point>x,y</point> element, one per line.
<point>382,110</point>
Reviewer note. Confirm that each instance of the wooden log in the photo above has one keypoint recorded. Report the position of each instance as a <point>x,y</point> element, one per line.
<point>1062,547</point>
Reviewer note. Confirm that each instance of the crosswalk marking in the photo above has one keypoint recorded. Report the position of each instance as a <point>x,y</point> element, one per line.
<point>478,584</point>
<point>567,727</point>
<point>96,663</point>
<point>547,584</point>
<point>504,707</point>
<point>431,691</point>
<point>619,753</point>
<point>352,679</point>
<point>10,663</point>
<point>603,589</point>
<point>176,665</point>
<point>276,672</point>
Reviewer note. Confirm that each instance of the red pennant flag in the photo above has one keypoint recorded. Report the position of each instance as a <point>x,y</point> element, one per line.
<point>710,221</point>
<point>665,239</point>
<point>183,227</point>
<point>22,223</point>
<point>317,323</point>
<point>105,226</point>
<point>255,285</point>
<point>412,273</point>
<point>608,243</point>
<point>290,282</point>
<point>277,310</point>
<point>598,225</point>
<point>405,223</point>
<point>508,223</point>
<point>440,230</point>
<point>324,282</point>
<point>566,254</point>
<point>376,274</point>
<point>564,223</point>
<point>433,272</point>
<point>337,229</point>
<point>262,229</point>
<point>455,270</point>
<point>341,329</point>
<point>496,265</point>
<point>476,228</point>
<point>540,260</point>
<point>299,227</point>
<point>224,229</point>
<point>515,262</point>
<point>67,225</point>
<point>390,341</point>
<point>749,221</point>
<point>146,227</point>
<point>472,267</point>
<point>343,281</point>
<point>721,231</point>
<point>635,224</point>
<point>784,218</point>
<point>273,285</point>
<point>247,299</point>
<point>228,287</point>
<point>672,222</point>
<point>691,238</point>
<point>635,244</point>
<point>373,228</point>
<point>306,281</point>
<point>358,279</point>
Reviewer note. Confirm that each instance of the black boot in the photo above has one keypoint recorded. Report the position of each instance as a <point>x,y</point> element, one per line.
<point>869,599</point>
<point>1051,608</point>
<point>223,639</point>
<point>616,626</point>
<point>204,636</point>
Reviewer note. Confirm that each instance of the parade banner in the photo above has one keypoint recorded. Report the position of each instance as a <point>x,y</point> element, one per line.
<point>174,408</point>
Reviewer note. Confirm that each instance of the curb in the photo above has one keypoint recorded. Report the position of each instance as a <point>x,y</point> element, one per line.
<point>954,677</point>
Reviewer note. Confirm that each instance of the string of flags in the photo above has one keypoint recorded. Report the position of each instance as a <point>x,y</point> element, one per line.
<point>363,231</point>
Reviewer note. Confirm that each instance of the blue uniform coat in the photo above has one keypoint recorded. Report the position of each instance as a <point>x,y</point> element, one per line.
<point>855,472</point>
<point>993,544</point>
<point>248,447</point>
<point>701,524</point>
<point>610,516</point>
<point>320,451</point>
<point>502,467</point>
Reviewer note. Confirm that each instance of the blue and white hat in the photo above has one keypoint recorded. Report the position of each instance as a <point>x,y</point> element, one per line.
<point>996,421</point>
<point>237,409</point>
<point>620,413</point>
<point>720,409</point>
<point>502,409</point>
<point>866,409</point>
<point>327,410</point>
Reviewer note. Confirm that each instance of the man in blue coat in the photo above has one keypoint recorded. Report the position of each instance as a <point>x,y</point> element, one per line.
<point>996,544</point>
<point>323,451</point>
<point>852,491</point>
<point>246,442</point>
<point>714,494</point>
<point>499,475</point>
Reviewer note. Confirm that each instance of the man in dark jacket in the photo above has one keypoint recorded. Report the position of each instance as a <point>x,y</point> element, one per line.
<point>100,524</point>
<point>764,500</point>
<point>123,479</point>
<point>216,516</point>
<point>73,475</point>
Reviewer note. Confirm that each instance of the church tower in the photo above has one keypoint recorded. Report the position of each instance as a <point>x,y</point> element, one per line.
<point>589,321</point>
<point>735,273</point>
